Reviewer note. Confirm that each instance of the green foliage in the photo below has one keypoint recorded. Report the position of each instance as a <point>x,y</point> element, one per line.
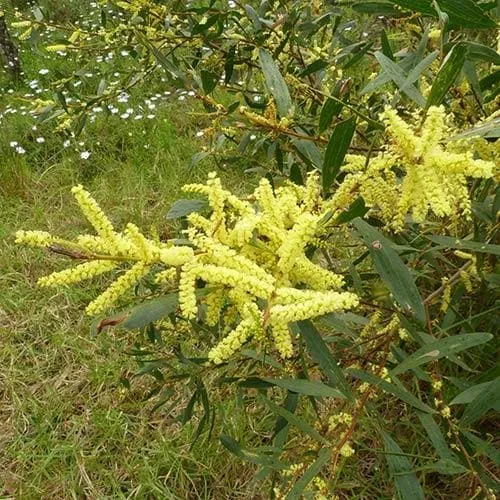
<point>285,89</point>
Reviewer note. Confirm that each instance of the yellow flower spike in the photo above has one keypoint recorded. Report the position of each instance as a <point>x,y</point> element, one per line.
<point>242,231</point>
<point>243,302</point>
<point>311,308</point>
<point>218,275</point>
<point>267,203</point>
<point>199,222</point>
<point>79,273</point>
<point>232,342</point>
<point>187,291</point>
<point>176,256</point>
<point>117,289</point>
<point>223,255</point>
<point>404,140</point>
<point>196,188</point>
<point>214,302</point>
<point>93,213</point>
<point>250,254</point>
<point>244,208</point>
<point>167,276</point>
<point>318,278</point>
<point>282,339</point>
<point>312,193</point>
<point>434,175</point>
<point>217,198</point>
<point>145,249</point>
<point>34,238</point>
<point>433,131</point>
<point>275,234</point>
<point>297,238</point>
<point>93,243</point>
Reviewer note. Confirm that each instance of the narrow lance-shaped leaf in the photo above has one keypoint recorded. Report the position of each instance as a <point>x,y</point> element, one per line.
<point>399,77</point>
<point>447,74</point>
<point>392,270</point>
<point>294,420</point>
<point>321,354</point>
<point>435,436</point>
<point>406,481</point>
<point>377,9</point>
<point>234,447</point>
<point>275,83</point>
<point>396,390</point>
<point>483,402</point>
<point>336,150</point>
<point>323,457</point>
<point>151,310</point>
<point>441,348</point>
<point>474,246</point>
<point>462,13</point>
<point>470,394</point>
<point>184,207</point>
<point>307,387</point>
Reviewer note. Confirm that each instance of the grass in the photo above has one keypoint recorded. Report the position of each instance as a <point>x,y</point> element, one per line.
<point>68,427</point>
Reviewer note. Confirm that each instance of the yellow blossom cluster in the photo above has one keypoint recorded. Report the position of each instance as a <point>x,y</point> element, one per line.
<point>415,175</point>
<point>104,252</point>
<point>249,255</point>
<point>252,254</point>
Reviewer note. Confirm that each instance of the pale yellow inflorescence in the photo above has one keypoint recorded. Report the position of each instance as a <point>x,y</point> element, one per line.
<point>250,253</point>
<point>433,176</point>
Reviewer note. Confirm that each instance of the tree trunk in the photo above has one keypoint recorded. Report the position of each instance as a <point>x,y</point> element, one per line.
<point>9,55</point>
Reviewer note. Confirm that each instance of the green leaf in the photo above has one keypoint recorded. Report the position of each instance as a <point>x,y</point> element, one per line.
<point>307,387</point>
<point>254,17</point>
<point>281,427</point>
<point>487,399</point>
<point>358,56</point>
<point>377,9</point>
<point>462,13</point>
<point>392,270</point>
<point>482,52</point>
<point>321,354</point>
<point>407,484</point>
<point>312,471</point>
<point>415,73</point>
<point>309,152</point>
<point>398,76</point>
<point>447,74</point>
<point>490,129</point>
<point>234,447</point>
<point>167,65</point>
<point>396,390</point>
<point>330,109</point>
<point>294,420</point>
<point>275,83</point>
<point>446,466</point>
<point>356,209</point>
<point>336,150</point>
<point>482,447</point>
<point>436,436</point>
<point>208,81</point>
<point>474,246</point>
<point>315,66</point>
<point>386,45</point>
<point>151,310</point>
<point>469,394</point>
<point>184,207</point>
<point>37,12</point>
<point>441,348</point>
